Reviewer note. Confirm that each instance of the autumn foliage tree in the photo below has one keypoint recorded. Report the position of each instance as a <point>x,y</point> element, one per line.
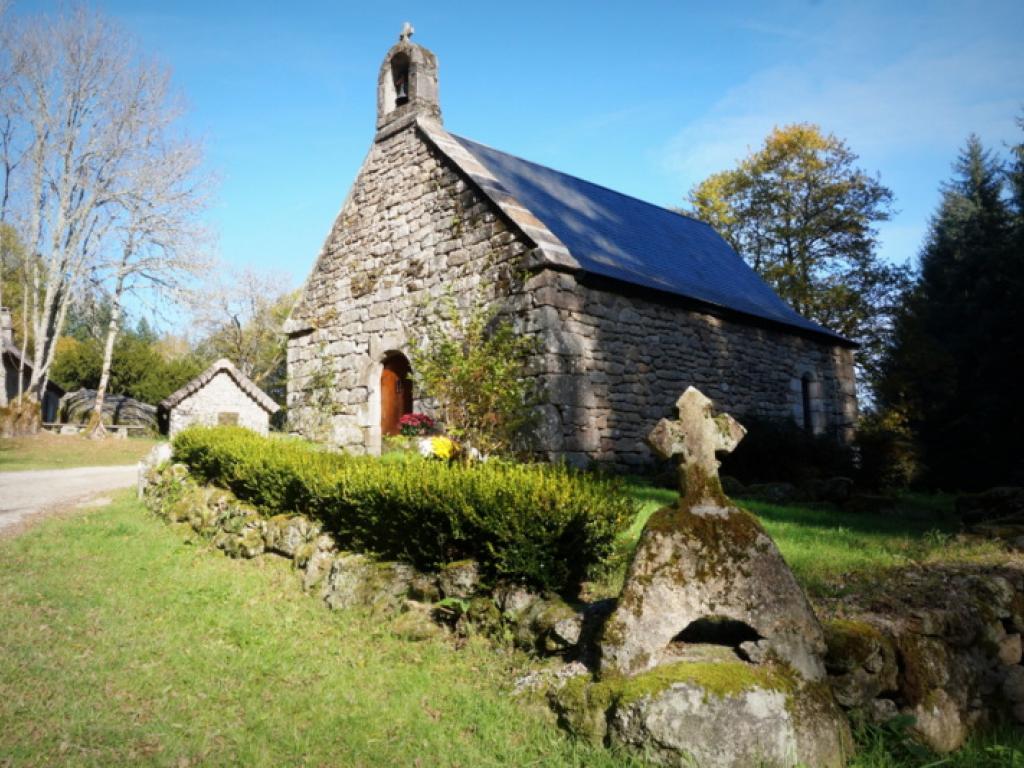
<point>804,216</point>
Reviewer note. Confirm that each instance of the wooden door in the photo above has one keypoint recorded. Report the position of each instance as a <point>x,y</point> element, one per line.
<point>395,393</point>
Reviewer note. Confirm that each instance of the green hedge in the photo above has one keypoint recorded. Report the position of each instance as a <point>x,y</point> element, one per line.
<point>548,526</point>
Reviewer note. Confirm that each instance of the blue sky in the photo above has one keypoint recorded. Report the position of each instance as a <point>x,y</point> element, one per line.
<point>646,98</point>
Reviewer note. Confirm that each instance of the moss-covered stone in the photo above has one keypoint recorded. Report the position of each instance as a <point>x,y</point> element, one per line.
<point>459,579</point>
<point>588,709</point>
<point>181,507</point>
<point>925,665</point>
<point>203,520</point>
<point>582,708</point>
<point>700,560</point>
<point>416,623</point>
<point>247,543</point>
<point>286,534</point>
<point>424,588</point>
<point>715,678</point>
<point>545,625</point>
<point>303,553</point>
<point>727,714</point>
<point>316,569</point>
<point>861,660</point>
<point>482,616</point>
<point>357,580</point>
<point>851,644</point>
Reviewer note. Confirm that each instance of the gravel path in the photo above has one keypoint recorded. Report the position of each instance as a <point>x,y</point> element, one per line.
<point>24,495</point>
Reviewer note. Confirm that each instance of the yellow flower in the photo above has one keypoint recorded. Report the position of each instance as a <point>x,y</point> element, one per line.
<point>443,447</point>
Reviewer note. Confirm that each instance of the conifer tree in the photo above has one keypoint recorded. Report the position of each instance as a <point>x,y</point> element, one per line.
<point>960,333</point>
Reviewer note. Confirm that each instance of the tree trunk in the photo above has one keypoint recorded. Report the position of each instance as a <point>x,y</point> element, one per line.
<point>24,341</point>
<point>98,430</point>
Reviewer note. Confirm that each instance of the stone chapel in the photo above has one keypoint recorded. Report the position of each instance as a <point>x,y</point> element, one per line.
<point>632,302</point>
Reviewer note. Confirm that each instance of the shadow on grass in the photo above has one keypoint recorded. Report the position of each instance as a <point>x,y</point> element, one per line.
<point>912,514</point>
<point>900,522</point>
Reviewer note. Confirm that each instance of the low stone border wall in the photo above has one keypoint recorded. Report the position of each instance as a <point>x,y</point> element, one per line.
<point>451,599</point>
<point>940,644</point>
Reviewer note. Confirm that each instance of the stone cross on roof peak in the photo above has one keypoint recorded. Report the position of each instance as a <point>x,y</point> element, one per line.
<point>695,438</point>
<point>407,32</point>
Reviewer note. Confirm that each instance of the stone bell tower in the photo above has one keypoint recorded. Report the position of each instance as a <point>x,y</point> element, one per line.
<point>406,85</point>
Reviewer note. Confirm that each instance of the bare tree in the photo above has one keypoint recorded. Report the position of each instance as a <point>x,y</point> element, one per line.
<point>8,156</point>
<point>243,320</point>
<point>159,239</point>
<point>85,112</point>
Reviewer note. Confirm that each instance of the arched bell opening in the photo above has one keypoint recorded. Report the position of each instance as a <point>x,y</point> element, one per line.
<point>400,78</point>
<point>395,392</point>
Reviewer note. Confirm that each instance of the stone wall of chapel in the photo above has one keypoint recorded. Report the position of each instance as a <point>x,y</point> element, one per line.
<point>220,395</point>
<point>412,230</point>
<point>615,364</point>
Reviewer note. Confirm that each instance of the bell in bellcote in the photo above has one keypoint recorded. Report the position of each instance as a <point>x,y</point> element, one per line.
<point>401,90</point>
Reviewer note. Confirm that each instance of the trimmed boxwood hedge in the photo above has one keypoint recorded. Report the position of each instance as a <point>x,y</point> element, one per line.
<point>548,526</point>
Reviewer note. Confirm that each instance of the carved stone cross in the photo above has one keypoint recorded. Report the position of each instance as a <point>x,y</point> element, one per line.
<point>694,439</point>
<point>407,32</point>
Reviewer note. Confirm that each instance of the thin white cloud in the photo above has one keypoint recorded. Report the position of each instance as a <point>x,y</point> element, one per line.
<point>905,113</point>
<point>925,101</point>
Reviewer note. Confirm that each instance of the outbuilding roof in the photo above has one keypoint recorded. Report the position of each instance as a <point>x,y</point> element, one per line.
<point>226,366</point>
<point>626,239</point>
<point>14,355</point>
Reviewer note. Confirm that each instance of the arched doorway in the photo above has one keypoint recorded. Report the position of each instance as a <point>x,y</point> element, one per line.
<point>395,393</point>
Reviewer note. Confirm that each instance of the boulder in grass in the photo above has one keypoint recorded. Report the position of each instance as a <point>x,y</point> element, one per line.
<point>715,712</point>
<point>713,654</point>
<point>757,725</point>
<point>706,571</point>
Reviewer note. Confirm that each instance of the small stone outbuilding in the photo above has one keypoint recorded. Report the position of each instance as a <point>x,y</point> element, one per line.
<point>220,395</point>
<point>629,302</point>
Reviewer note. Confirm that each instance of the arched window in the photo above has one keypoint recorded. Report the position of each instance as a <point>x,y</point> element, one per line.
<point>806,399</point>
<point>400,78</point>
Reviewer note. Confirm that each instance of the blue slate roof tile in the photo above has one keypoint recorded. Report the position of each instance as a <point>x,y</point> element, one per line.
<point>616,236</point>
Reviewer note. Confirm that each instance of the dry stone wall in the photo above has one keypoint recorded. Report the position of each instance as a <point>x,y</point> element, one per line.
<point>940,643</point>
<point>413,228</point>
<point>615,363</point>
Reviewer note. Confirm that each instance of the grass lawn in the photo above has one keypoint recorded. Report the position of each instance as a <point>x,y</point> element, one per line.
<point>160,653</point>
<point>124,645</point>
<point>50,451</point>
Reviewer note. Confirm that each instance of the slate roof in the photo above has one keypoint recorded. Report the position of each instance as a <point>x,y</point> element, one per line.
<point>620,237</point>
<point>244,382</point>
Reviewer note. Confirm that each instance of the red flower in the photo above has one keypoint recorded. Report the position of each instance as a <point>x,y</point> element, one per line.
<point>414,424</point>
